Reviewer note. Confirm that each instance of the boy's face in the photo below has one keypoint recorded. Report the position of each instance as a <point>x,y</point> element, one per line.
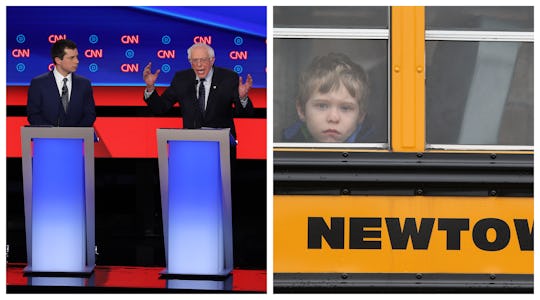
<point>331,117</point>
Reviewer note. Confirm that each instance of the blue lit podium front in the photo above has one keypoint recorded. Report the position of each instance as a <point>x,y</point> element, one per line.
<point>195,182</point>
<point>58,181</point>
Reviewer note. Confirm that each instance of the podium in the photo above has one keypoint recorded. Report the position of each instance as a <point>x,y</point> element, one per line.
<point>195,183</point>
<point>58,182</point>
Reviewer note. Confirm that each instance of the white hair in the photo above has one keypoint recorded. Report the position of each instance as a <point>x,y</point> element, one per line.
<point>206,46</point>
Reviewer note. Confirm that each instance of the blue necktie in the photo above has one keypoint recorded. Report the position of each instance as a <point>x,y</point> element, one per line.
<point>201,95</point>
<point>65,95</point>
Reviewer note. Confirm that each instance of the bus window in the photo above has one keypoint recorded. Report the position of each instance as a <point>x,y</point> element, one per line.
<point>308,47</point>
<point>479,18</point>
<point>330,17</point>
<point>479,82</point>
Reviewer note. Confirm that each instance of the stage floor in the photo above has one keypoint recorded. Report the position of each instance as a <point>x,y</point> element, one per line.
<point>130,279</point>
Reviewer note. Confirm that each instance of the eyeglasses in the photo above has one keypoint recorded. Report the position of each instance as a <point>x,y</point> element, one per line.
<point>200,60</point>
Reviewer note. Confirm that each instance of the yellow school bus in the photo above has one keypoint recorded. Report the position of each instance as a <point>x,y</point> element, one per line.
<point>443,202</point>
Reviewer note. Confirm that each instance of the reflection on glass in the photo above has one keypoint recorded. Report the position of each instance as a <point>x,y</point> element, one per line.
<point>330,91</point>
<point>483,98</point>
<point>502,18</point>
<point>371,17</point>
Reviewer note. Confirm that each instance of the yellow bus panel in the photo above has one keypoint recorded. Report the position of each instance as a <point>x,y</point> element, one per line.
<point>403,234</point>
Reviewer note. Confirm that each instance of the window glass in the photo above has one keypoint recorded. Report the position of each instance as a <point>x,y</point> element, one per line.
<point>295,119</point>
<point>483,18</point>
<point>479,93</point>
<point>331,17</point>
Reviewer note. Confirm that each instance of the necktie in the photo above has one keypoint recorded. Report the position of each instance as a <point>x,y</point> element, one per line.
<point>201,95</point>
<point>65,95</point>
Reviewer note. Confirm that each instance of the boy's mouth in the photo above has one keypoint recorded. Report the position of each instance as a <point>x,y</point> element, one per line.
<point>331,132</point>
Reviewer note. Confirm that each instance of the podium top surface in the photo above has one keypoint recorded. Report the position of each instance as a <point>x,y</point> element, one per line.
<point>203,134</point>
<point>57,132</point>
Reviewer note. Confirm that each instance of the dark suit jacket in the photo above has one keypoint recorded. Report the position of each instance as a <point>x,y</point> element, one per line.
<point>223,100</point>
<point>45,108</point>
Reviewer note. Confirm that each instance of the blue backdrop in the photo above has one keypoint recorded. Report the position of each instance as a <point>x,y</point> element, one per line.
<point>116,43</point>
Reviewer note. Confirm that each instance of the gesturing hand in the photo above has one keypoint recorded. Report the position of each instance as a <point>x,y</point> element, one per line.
<point>149,78</point>
<point>243,88</point>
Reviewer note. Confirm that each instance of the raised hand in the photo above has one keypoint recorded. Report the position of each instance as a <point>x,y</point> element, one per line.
<point>243,88</point>
<point>149,78</point>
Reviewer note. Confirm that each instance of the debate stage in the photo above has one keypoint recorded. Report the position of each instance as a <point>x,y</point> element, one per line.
<point>132,279</point>
<point>129,231</point>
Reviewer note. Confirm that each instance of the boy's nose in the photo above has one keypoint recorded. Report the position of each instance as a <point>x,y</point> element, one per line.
<point>333,115</point>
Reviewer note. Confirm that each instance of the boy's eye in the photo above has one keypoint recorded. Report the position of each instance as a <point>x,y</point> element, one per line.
<point>346,108</point>
<point>321,105</point>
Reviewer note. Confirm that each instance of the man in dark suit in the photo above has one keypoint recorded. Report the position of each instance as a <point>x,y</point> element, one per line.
<point>60,97</point>
<point>222,96</point>
<point>225,95</point>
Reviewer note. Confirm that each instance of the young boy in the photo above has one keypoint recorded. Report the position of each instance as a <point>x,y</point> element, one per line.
<point>331,103</point>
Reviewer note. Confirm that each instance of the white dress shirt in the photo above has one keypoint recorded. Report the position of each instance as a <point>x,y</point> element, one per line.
<point>60,82</point>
